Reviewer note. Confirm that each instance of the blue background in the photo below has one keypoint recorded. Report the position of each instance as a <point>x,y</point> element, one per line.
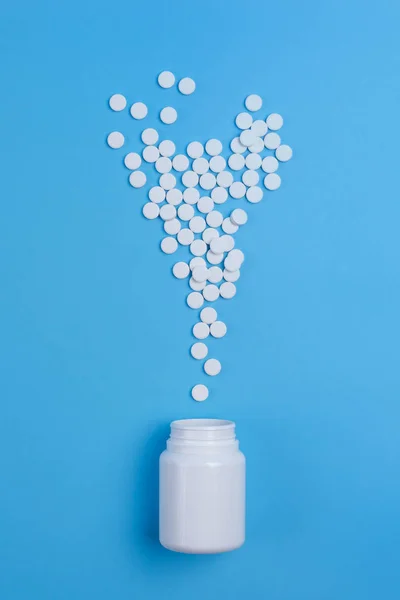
<point>95,332</point>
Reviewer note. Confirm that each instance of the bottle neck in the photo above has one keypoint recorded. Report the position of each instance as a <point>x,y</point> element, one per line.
<point>192,436</point>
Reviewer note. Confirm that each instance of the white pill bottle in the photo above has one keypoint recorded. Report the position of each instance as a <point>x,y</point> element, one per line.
<point>202,488</point>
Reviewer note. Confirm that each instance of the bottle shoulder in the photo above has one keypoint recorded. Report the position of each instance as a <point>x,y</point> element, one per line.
<point>212,458</point>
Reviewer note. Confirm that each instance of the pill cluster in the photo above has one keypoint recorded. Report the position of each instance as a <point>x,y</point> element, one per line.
<point>191,186</point>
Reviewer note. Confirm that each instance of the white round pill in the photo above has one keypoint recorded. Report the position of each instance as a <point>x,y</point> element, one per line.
<point>181,270</point>
<point>117,102</point>
<point>198,248</point>
<point>213,147</point>
<point>195,149</point>
<point>150,154</point>
<point>214,275</point>
<point>236,146</point>
<point>217,164</point>
<point>214,259</point>
<point>197,224</point>
<point>232,263</point>
<point>197,262</point>
<point>272,181</point>
<point>185,237</point>
<point>139,110</point>
<point>167,212</point>
<point>250,178</point>
<point>201,331</point>
<point>200,165</point>
<point>167,181</point>
<point>191,195</point>
<point>115,139</point>
<point>185,212</point>
<point>231,275</point>
<point>174,196</point>
<point>212,366</point>
<point>254,194</point>
<point>132,161</point>
<point>149,136</point>
<point>247,137</point>
<point>211,292</point>
<point>157,194</point>
<point>169,245</point>
<point>197,286</point>
<point>180,162</point>
<point>199,350</point>
<point>237,189</point>
<point>219,195</point>
<point>236,162</point>
<point>168,115</point>
<point>200,392</point>
<point>224,179</point>
<point>217,245</point>
<point>186,86</point>
<point>243,121</point>
<point>200,274</point>
<point>163,164</point>
<point>218,329</point>
<point>228,243</point>
<point>272,141</point>
<point>253,161</point>
<point>137,179</point>
<point>269,164</point>
<point>190,179</point>
<point>227,289</point>
<point>284,153</point>
<point>208,181</point>
<point>209,234</point>
<point>274,121</point>
<point>237,255</point>
<point>259,128</point>
<point>205,204</point>
<point>214,218</point>
<point>229,227</point>
<point>253,102</point>
<point>151,210</point>
<point>195,300</point>
<point>208,315</point>
<point>172,226</point>
<point>239,216</point>
<point>166,79</point>
<point>167,148</point>
<point>257,146</point>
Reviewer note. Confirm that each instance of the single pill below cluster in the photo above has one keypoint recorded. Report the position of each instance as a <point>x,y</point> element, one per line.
<point>200,392</point>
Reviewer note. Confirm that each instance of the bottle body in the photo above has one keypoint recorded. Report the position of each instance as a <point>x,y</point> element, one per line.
<point>202,488</point>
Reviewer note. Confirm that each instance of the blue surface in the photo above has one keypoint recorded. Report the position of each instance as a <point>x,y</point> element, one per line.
<point>95,332</point>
